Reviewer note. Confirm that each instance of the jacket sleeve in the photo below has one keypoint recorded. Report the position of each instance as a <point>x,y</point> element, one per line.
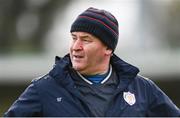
<point>160,104</point>
<point>28,104</point>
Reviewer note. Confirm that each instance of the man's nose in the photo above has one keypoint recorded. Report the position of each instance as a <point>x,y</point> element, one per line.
<point>78,45</point>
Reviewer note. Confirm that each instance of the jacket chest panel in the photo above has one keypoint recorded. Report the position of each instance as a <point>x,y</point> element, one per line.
<point>122,106</point>
<point>61,103</point>
<point>62,107</point>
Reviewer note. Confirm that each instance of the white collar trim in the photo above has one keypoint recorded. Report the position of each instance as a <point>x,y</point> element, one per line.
<point>89,82</point>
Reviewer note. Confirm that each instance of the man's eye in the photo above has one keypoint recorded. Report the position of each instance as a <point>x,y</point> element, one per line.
<point>74,38</point>
<point>85,40</point>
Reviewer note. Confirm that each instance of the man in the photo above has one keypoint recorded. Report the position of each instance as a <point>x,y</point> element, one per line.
<point>92,80</point>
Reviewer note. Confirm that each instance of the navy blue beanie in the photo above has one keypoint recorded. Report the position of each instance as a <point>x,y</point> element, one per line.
<point>99,23</point>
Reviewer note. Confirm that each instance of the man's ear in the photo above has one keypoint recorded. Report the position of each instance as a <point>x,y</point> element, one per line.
<point>108,51</point>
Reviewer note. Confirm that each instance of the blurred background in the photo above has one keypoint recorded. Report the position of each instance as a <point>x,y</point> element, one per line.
<point>33,32</point>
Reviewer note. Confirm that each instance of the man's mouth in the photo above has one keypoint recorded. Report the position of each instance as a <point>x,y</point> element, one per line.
<point>77,57</point>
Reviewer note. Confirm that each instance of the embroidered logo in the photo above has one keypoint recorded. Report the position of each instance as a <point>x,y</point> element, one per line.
<point>129,98</point>
<point>59,99</point>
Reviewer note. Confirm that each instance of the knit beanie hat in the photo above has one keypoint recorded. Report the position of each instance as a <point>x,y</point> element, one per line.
<point>99,23</point>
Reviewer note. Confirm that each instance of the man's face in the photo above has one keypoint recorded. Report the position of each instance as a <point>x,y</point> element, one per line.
<point>87,53</point>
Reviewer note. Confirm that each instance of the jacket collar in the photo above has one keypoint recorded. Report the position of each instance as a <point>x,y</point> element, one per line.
<point>63,66</point>
<point>125,71</point>
<point>60,71</point>
<point>123,67</point>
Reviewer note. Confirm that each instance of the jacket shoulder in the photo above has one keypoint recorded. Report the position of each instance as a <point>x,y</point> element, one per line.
<point>142,77</point>
<point>144,80</point>
<point>159,103</point>
<point>146,84</point>
<point>42,79</point>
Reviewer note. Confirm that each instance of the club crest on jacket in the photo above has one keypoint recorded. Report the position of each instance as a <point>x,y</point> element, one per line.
<point>129,98</point>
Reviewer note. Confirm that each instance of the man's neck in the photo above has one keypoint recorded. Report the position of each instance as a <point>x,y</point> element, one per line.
<point>95,71</point>
<point>97,78</point>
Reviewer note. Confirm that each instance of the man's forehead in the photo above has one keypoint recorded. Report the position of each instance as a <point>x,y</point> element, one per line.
<point>82,34</point>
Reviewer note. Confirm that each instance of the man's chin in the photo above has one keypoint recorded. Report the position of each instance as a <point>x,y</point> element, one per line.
<point>77,68</point>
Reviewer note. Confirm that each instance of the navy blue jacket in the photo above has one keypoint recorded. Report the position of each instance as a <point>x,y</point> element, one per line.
<point>55,94</point>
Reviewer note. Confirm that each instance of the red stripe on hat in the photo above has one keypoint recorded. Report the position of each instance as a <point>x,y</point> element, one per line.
<point>100,22</point>
<point>103,17</point>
